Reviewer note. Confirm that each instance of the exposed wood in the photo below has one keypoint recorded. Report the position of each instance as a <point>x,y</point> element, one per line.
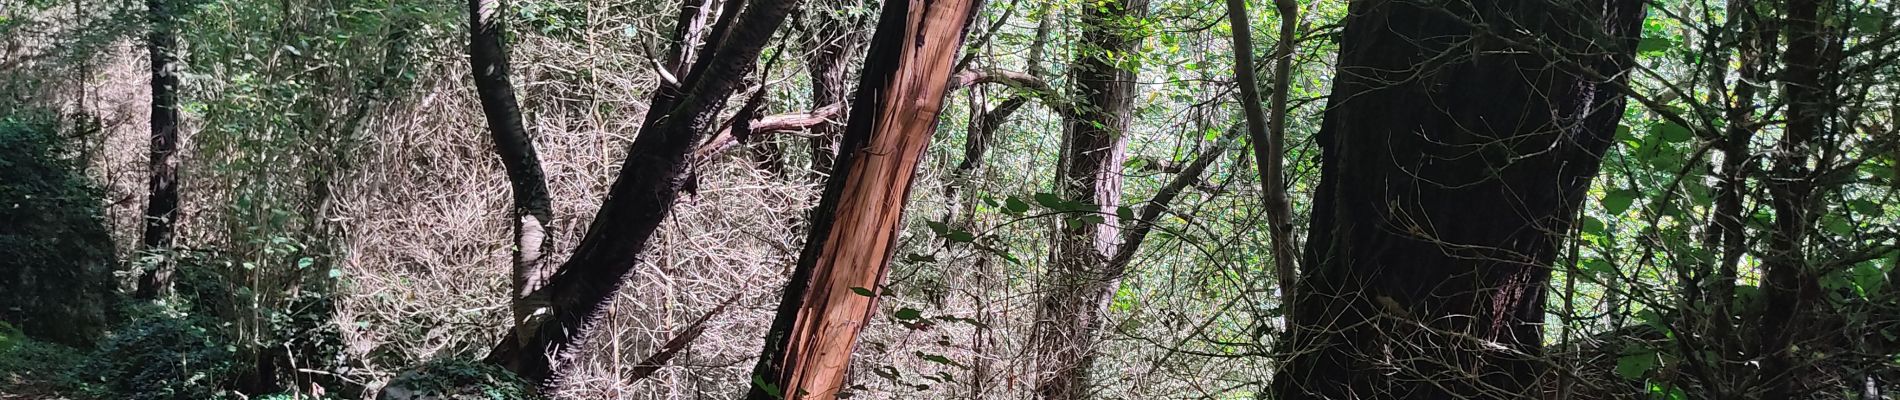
<point>1434,228</point>
<point>161,207</point>
<point>640,197</point>
<point>855,226</point>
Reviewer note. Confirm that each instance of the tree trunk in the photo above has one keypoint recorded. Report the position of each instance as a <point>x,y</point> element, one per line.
<point>1454,157</point>
<point>1069,317</point>
<point>855,226</point>
<point>833,44</point>
<point>1790,286</point>
<point>161,209</point>
<point>1269,136</point>
<point>531,213</point>
<point>640,198</point>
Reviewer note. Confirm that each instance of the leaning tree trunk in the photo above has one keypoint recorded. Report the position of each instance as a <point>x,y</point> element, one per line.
<point>1460,139</point>
<point>855,226</point>
<point>531,213</point>
<point>1070,315</point>
<point>640,198</point>
<point>161,208</point>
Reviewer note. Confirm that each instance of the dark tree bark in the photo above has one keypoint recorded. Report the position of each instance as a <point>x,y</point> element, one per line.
<point>1791,286</point>
<point>1460,139</point>
<point>855,225</point>
<point>833,45</point>
<point>531,215</point>
<point>161,208</point>
<point>1069,316</point>
<point>641,197</point>
<point>1726,230</point>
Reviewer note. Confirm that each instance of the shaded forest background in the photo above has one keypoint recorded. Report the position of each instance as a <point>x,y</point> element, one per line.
<point>1477,199</point>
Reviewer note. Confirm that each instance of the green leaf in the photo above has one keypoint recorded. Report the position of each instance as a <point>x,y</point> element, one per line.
<point>863,292</point>
<point>1869,278</point>
<point>938,227</point>
<point>1125,213</point>
<point>907,314</point>
<point>1618,201</point>
<point>305,262</point>
<point>1671,132</point>
<point>940,360</point>
<point>1051,201</point>
<point>1634,366</point>
<point>1592,225</point>
<point>1653,44</point>
<point>1015,205</point>
<point>767,387</point>
<point>920,258</point>
<point>960,236</point>
<point>1092,218</point>
<point>336,273</point>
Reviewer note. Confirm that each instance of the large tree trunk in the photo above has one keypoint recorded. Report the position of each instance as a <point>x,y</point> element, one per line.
<point>161,208</point>
<point>1070,314</point>
<point>855,226</point>
<point>531,213</point>
<point>1454,159</point>
<point>640,198</point>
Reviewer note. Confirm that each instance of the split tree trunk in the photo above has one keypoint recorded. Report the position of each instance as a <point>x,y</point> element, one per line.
<point>640,198</point>
<point>1269,136</point>
<point>1454,158</point>
<point>531,214</point>
<point>1069,316</point>
<point>855,226</point>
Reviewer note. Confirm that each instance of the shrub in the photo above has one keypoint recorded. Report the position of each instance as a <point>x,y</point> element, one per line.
<point>163,354</point>
<point>458,379</point>
<point>55,253</point>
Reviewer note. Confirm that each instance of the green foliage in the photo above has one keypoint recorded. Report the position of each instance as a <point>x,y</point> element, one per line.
<point>57,277</point>
<point>34,367</point>
<point>164,354</point>
<point>459,379</point>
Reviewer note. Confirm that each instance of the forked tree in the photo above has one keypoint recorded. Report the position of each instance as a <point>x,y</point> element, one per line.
<point>854,227</point>
<point>1458,143</point>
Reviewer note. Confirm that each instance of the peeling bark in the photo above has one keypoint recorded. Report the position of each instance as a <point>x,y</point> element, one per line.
<point>855,226</point>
